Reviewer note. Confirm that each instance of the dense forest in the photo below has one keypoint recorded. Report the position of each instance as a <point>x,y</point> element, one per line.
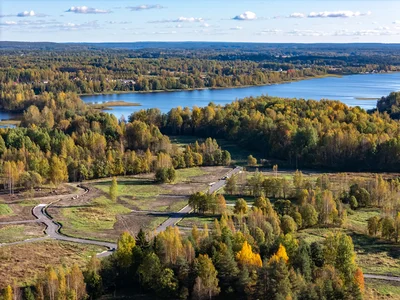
<point>86,69</point>
<point>66,141</point>
<point>323,134</point>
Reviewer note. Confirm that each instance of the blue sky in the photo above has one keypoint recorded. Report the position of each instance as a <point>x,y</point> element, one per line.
<point>310,21</point>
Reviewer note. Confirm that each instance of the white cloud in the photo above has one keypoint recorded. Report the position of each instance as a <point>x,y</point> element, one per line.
<point>246,16</point>
<point>190,20</point>
<point>205,25</point>
<point>165,32</point>
<point>144,7</point>
<point>397,22</point>
<point>9,23</point>
<point>270,31</point>
<point>87,10</point>
<point>181,20</point>
<point>368,32</point>
<point>49,25</point>
<point>297,32</point>
<point>26,14</point>
<point>297,15</point>
<point>337,14</point>
<point>236,28</point>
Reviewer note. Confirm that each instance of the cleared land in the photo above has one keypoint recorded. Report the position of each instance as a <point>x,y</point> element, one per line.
<point>20,232</point>
<point>24,262</point>
<point>141,203</point>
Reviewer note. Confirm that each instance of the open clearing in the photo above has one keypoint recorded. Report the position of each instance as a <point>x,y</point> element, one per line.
<point>139,201</point>
<point>20,232</point>
<point>26,261</point>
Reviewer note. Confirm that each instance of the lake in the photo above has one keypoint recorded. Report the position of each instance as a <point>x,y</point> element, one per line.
<point>352,90</point>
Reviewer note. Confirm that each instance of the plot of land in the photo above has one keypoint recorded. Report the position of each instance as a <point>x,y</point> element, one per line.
<point>25,261</point>
<point>139,201</point>
<point>20,232</point>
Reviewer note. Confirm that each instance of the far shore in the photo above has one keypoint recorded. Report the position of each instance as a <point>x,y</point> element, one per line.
<point>110,104</point>
<point>213,88</point>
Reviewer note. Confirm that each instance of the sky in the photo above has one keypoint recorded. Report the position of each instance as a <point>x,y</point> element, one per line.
<point>268,21</point>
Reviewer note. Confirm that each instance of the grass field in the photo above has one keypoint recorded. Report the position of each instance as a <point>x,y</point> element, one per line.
<point>5,210</point>
<point>99,216</point>
<point>24,262</point>
<point>197,220</point>
<point>382,289</point>
<point>14,233</point>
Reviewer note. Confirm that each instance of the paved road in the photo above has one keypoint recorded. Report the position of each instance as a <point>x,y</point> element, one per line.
<point>382,277</point>
<point>187,209</point>
<point>53,230</point>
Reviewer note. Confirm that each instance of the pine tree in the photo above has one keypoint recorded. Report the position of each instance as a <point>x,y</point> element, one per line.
<point>141,240</point>
<point>226,266</point>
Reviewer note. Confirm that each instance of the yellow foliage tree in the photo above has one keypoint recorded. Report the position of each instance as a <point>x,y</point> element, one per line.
<point>280,254</point>
<point>247,257</point>
<point>8,293</point>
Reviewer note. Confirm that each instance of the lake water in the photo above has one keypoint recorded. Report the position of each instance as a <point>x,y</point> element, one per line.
<point>349,89</point>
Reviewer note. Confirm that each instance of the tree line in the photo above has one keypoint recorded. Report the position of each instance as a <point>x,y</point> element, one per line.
<point>67,141</point>
<point>299,133</point>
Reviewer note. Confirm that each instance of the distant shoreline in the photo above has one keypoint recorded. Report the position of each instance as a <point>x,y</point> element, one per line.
<point>212,88</point>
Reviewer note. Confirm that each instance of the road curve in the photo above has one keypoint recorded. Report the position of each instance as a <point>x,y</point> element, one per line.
<point>53,231</point>
<point>187,209</point>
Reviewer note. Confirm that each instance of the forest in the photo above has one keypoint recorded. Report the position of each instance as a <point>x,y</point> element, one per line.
<point>249,253</point>
<point>91,69</point>
<point>253,248</point>
<point>299,133</point>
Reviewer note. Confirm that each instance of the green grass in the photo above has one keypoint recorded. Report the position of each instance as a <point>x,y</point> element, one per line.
<point>13,233</point>
<point>132,187</point>
<point>5,210</point>
<point>384,288</point>
<point>183,175</point>
<point>101,215</point>
<point>197,220</point>
<point>311,235</point>
<point>357,220</point>
<point>232,198</point>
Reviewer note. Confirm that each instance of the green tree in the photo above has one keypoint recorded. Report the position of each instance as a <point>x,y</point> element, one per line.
<point>302,260</point>
<point>114,189</point>
<point>240,207</point>
<point>126,243</point>
<point>353,202</point>
<point>227,268</point>
<point>317,254</point>
<point>373,225</point>
<point>288,225</point>
<point>388,228</point>
<point>309,215</point>
<point>251,160</point>
<point>231,185</point>
<point>206,285</point>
